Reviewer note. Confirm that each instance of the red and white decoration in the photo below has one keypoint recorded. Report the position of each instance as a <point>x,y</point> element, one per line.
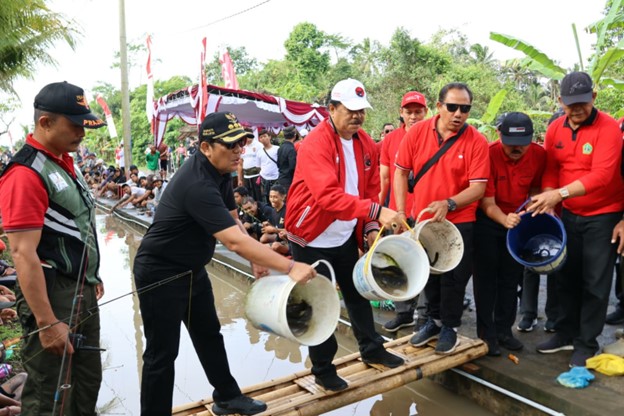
<point>110,123</point>
<point>227,70</point>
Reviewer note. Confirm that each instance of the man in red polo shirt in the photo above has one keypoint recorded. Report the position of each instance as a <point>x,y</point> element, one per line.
<point>413,109</point>
<point>450,189</point>
<point>517,166</point>
<point>583,157</point>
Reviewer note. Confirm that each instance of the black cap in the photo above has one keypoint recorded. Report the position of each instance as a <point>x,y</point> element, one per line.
<point>516,129</point>
<point>576,87</point>
<point>68,100</point>
<point>222,126</point>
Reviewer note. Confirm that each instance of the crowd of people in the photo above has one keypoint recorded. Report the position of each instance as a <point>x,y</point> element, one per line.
<point>286,205</point>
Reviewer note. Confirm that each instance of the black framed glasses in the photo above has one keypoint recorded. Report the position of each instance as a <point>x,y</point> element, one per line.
<point>464,108</point>
<point>242,142</point>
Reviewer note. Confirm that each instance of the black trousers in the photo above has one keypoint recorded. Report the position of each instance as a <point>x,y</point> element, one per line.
<point>343,260</point>
<point>254,188</point>
<point>495,280</point>
<point>530,294</point>
<point>163,309</point>
<point>445,292</point>
<point>584,284</point>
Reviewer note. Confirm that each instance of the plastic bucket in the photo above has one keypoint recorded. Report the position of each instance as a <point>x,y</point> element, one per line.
<point>538,243</point>
<point>267,299</point>
<point>398,251</point>
<point>442,241</point>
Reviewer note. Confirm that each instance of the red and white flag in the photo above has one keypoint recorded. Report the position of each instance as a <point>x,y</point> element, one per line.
<point>203,86</point>
<point>149,99</point>
<point>112,131</point>
<point>227,70</point>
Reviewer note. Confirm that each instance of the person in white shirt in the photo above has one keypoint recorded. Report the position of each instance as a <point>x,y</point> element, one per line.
<point>249,168</point>
<point>267,158</point>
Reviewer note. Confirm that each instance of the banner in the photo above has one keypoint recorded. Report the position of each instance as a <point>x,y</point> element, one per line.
<point>203,86</point>
<point>112,131</point>
<point>149,99</point>
<point>227,70</point>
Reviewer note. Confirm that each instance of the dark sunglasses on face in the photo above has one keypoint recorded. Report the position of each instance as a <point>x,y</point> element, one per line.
<point>232,145</point>
<point>387,131</point>
<point>464,108</point>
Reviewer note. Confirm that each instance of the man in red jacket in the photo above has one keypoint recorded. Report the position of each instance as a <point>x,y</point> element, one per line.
<point>583,157</point>
<point>333,207</point>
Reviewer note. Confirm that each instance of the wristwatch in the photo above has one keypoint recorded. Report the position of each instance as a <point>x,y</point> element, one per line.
<point>452,205</point>
<point>565,194</point>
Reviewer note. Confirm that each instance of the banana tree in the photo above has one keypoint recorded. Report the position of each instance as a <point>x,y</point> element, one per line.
<point>540,62</point>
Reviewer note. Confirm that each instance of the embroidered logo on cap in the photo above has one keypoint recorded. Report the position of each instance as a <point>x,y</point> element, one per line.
<point>517,129</point>
<point>359,91</point>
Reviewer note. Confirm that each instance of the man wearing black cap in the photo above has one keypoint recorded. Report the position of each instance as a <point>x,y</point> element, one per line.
<point>197,209</point>
<point>583,157</point>
<point>48,214</point>
<point>517,166</point>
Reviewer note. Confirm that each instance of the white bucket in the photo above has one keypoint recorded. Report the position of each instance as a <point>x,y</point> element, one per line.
<point>442,242</point>
<point>267,298</point>
<point>408,255</point>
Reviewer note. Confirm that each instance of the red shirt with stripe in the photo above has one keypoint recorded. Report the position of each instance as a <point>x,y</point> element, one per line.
<point>466,162</point>
<point>592,154</point>
<point>23,196</point>
<point>511,180</point>
<point>389,150</point>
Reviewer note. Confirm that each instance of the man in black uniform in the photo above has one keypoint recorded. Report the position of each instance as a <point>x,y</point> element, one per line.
<point>287,157</point>
<point>197,209</point>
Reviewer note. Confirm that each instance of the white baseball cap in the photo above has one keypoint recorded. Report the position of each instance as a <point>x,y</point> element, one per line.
<point>351,93</point>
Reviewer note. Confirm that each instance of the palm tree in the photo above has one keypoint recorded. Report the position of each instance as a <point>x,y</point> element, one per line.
<point>29,31</point>
<point>482,55</point>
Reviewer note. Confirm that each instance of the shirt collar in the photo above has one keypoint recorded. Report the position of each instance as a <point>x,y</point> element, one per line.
<point>65,161</point>
<point>588,122</point>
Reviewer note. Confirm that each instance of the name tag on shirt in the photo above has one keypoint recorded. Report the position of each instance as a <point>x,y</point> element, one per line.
<point>58,181</point>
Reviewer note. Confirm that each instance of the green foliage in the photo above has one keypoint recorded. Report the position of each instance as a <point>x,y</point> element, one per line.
<point>304,51</point>
<point>29,32</point>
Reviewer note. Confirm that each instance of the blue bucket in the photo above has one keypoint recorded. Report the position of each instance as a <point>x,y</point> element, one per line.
<point>538,243</point>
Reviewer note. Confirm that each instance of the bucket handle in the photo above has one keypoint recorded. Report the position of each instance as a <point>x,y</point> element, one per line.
<point>329,266</point>
<point>524,204</point>
<point>421,214</point>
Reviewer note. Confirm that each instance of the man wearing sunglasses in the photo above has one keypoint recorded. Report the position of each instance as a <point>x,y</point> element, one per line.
<point>197,209</point>
<point>450,189</point>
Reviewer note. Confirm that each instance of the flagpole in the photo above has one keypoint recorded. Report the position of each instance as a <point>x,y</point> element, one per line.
<point>125,95</point>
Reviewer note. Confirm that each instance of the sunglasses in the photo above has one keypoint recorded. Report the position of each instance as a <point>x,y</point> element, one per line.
<point>387,131</point>
<point>464,108</point>
<point>232,145</point>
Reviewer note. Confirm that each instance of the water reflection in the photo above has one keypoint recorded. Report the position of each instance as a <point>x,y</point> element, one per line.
<point>254,356</point>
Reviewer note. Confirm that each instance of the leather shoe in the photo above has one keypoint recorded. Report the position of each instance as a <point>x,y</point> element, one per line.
<point>384,358</point>
<point>242,405</point>
<point>331,382</point>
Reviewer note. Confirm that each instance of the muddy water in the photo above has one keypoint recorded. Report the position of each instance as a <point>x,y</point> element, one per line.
<point>254,356</point>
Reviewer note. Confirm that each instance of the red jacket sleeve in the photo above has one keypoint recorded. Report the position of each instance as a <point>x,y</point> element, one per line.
<point>23,199</point>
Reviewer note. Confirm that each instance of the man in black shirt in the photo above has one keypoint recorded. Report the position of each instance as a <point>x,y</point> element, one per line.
<point>287,157</point>
<point>170,274</point>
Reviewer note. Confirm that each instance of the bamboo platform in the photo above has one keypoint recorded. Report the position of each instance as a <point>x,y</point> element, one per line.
<point>299,395</point>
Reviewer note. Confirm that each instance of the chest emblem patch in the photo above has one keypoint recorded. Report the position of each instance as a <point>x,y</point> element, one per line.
<point>58,181</point>
<point>587,149</point>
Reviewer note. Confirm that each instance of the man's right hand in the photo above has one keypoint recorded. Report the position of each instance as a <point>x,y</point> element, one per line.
<point>302,272</point>
<point>392,220</point>
<point>53,339</point>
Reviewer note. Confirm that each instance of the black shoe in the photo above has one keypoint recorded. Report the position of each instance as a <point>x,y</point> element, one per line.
<point>242,405</point>
<point>555,344</point>
<point>493,348</point>
<point>420,322</point>
<point>331,382</point>
<point>428,332</point>
<point>384,358</point>
<point>402,320</point>
<point>579,358</point>
<point>526,324</point>
<point>510,342</point>
<point>616,317</point>
<point>447,341</point>
<point>549,326</point>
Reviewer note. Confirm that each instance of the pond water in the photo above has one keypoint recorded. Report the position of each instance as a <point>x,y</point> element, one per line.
<point>254,356</point>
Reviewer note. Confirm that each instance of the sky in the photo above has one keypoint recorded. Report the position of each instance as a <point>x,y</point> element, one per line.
<point>262,26</point>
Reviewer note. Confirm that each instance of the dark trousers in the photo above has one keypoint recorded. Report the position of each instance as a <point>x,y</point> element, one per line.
<point>266,185</point>
<point>343,260</point>
<point>530,294</point>
<point>254,188</point>
<point>584,284</point>
<point>43,367</point>
<point>445,292</point>
<point>495,280</point>
<point>188,300</point>
<point>619,283</point>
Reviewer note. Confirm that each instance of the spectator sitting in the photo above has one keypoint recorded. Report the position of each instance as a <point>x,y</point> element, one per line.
<point>239,193</point>
<point>11,395</point>
<point>132,196</point>
<point>257,213</point>
<point>110,186</point>
<point>273,231</point>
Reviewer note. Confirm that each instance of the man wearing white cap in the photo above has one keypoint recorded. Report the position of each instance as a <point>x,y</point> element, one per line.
<point>333,206</point>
